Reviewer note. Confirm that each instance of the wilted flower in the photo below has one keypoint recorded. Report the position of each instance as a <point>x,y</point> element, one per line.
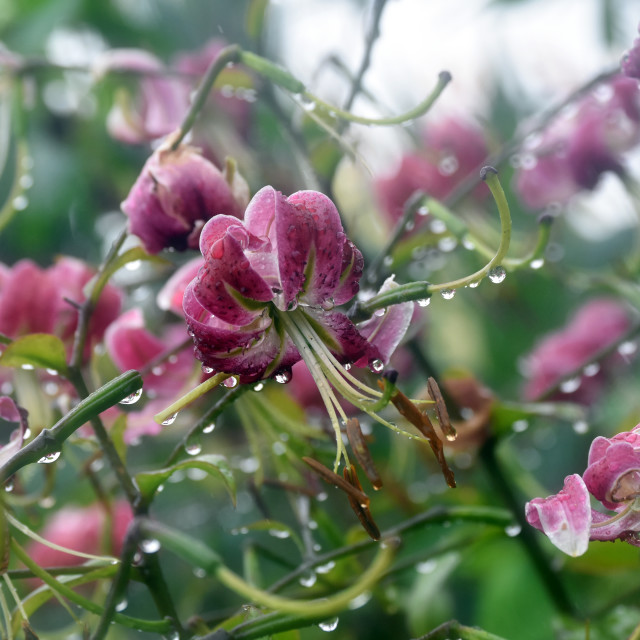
<point>176,193</point>
<point>32,300</point>
<point>612,477</point>
<point>264,298</point>
<point>452,150</point>
<point>598,324</point>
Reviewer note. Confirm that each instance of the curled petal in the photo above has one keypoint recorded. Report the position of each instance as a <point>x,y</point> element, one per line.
<point>614,475</point>
<point>565,517</point>
<point>625,526</point>
<point>170,297</point>
<point>385,332</point>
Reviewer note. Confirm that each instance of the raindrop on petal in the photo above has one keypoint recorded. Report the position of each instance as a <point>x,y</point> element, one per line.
<point>376,366</point>
<point>206,369</point>
<point>283,377</point>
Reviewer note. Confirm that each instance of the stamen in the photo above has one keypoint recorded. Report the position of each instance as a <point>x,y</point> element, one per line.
<point>630,507</point>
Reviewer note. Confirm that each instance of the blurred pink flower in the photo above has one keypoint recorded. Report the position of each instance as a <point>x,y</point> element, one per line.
<point>171,295</point>
<point>32,300</point>
<point>630,63</point>
<point>451,151</point>
<point>612,477</point>
<point>175,194</point>
<point>82,529</point>
<point>576,148</point>
<point>595,326</point>
<point>132,346</point>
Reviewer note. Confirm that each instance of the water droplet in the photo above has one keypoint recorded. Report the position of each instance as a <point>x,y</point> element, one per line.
<point>451,436</point>
<point>27,367</point>
<point>206,369</point>
<point>423,211</point>
<point>448,294</point>
<point>580,427</point>
<point>424,302</point>
<point>308,579</point>
<point>325,568</point>
<point>380,312</point>
<point>170,420</point>
<point>209,428</point>
<point>376,366</point>
<point>293,305</point>
<point>307,104</point>
<point>132,398</point>
<point>513,530</point>
<point>591,369</point>
<point>497,274</point>
<point>49,458</point>
<point>520,425</point>
<point>537,263</point>
<point>409,226</point>
<point>448,165</point>
<point>437,226</point>
<point>468,244</point>
<point>474,285</point>
<point>283,377</point>
<point>134,265</point>
<point>627,348</point>
<point>347,366</point>
<point>122,605</point>
<point>150,545</point>
<point>8,486</point>
<point>328,304</point>
<point>20,203</point>
<point>193,448</point>
<point>388,261</point>
<point>259,386</point>
<point>447,244</point>
<point>570,385</point>
<point>231,382</point>
<point>329,625</point>
<point>281,534</point>
<point>428,566</point>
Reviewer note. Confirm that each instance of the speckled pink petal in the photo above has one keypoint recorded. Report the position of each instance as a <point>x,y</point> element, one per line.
<point>323,261</point>
<point>350,273</point>
<point>386,331</point>
<point>565,517</point>
<point>227,285</point>
<point>626,528</point>
<point>615,476</point>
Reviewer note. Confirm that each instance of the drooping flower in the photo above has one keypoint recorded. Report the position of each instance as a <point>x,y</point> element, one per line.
<point>612,477</point>
<point>176,193</point>
<point>132,346</point>
<point>32,300</point>
<point>595,326</point>
<point>451,150</point>
<point>264,298</point>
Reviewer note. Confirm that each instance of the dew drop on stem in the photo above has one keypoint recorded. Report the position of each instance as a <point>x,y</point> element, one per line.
<point>170,420</point>
<point>150,545</point>
<point>49,458</point>
<point>448,294</point>
<point>329,625</point>
<point>132,398</point>
<point>231,382</point>
<point>283,377</point>
<point>209,428</point>
<point>308,579</point>
<point>497,274</point>
<point>424,302</point>
<point>570,385</point>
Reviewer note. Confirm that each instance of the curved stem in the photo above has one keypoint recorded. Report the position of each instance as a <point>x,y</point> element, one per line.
<point>160,626</point>
<point>50,440</point>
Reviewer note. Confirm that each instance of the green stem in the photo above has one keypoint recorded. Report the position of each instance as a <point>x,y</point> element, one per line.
<point>423,290</point>
<point>444,77</point>
<point>227,56</point>
<point>192,396</point>
<point>160,626</point>
<point>119,585</point>
<point>87,307</point>
<point>109,450</point>
<point>454,629</point>
<point>527,535</point>
<point>200,555</point>
<point>50,440</point>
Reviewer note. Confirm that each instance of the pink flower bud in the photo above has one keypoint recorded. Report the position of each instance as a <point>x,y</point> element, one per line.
<point>176,193</point>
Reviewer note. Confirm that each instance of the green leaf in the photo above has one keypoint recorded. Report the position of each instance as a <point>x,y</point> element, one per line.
<point>38,350</point>
<point>213,465</point>
<point>277,530</point>
<point>256,17</point>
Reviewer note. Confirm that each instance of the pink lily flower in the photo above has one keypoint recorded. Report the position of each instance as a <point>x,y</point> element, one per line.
<point>264,299</point>
<point>612,477</point>
<point>32,300</point>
